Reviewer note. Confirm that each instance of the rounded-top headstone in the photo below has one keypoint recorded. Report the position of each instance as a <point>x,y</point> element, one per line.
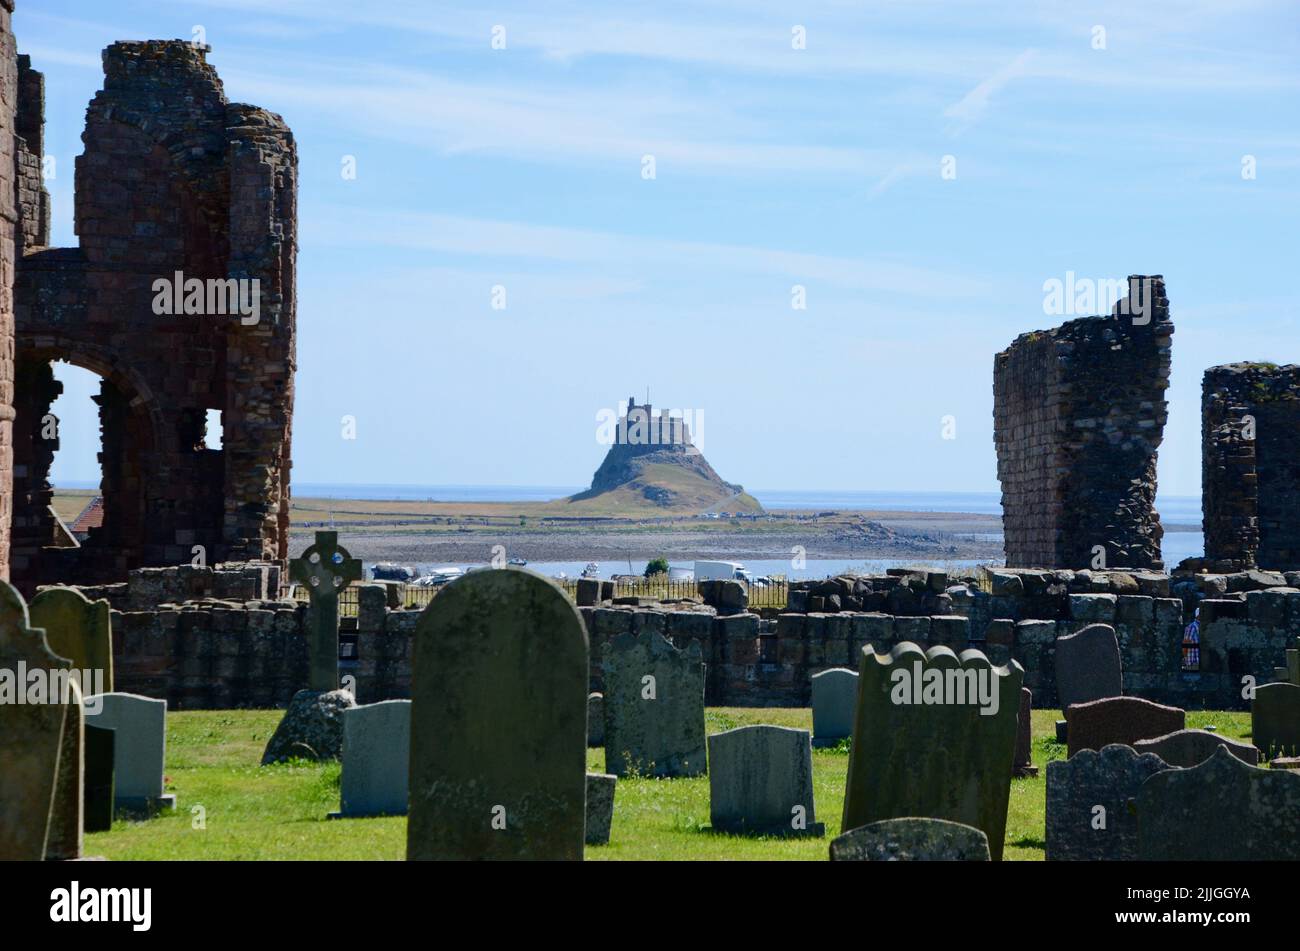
<point>1088,665</point>
<point>911,840</point>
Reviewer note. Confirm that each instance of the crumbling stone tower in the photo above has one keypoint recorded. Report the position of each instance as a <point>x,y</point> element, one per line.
<point>1079,413</point>
<point>174,180</point>
<point>8,220</point>
<point>1250,466</point>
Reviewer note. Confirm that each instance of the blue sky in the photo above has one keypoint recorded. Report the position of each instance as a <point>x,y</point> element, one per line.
<point>774,166</point>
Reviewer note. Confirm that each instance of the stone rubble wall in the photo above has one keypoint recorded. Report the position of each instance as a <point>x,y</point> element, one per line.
<point>10,167</point>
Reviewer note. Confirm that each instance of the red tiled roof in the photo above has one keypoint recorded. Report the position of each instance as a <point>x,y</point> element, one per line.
<point>92,516</point>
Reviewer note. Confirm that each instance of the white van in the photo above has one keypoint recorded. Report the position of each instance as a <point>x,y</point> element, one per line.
<point>721,571</point>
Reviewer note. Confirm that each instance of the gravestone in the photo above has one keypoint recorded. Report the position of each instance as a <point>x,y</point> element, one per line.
<point>311,728</point>
<point>1088,796</point>
<point>600,807</point>
<point>498,722</point>
<point>139,748</point>
<point>911,840</point>
<point>98,801</point>
<point>1088,665</point>
<point>1099,723</point>
<point>654,706</point>
<point>66,810</point>
<point>834,696</point>
<point>595,719</point>
<point>1275,719</point>
<point>1220,811</point>
<point>80,630</point>
<point>325,569</point>
<point>31,733</point>
<point>1023,765</point>
<point>760,782</point>
<point>934,737</point>
<point>1191,747</point>
<point>376,759</point>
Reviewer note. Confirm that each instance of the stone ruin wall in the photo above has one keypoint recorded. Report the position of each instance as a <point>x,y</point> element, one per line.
<point>1079,414</point>
<point>1251,486</point>
<point>9,95</point>
<point>174,178</point>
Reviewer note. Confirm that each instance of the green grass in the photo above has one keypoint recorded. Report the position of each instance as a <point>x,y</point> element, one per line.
<point>278,812</point>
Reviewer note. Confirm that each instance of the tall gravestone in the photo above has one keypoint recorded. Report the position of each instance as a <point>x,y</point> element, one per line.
<point>1099,723</point>
<point>1275,720</point>
<point>80,630</point>
<point>376,759</point>
<point>97,801</point>
<point>325,569</point>
<point>1088,665</point>
<point>1220,811</point>
<point>760,782</point>
<point>139,749</point>
<point>498,722</point>
<point>67,811</point>
<point>654,707</point>
<point>911,840</point>
<point>1023,765</point>
<point>834,696</point>
<point>934,737</point>
<point>1088,795</point>
<point>1192,747</point>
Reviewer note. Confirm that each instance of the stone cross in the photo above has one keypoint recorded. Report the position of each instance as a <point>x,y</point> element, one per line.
<point>325,568</point>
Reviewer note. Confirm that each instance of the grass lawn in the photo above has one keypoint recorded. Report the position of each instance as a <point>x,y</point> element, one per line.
<point>278,812</point>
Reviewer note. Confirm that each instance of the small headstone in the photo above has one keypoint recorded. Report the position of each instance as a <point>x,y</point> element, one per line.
<point>1284,762</point>
<point>1088,665</point>
<point>834,697</point>
<point>911,840</point>
<point>934,737</point>
<point>499,722</point>
<point>80,630</point>
<point>1275,720</point>
<point>1063,732</point>
<point>595,719</point>
<point>1220,811</point>
<point>31,734</point>
<point>1192,747</point>
<point>760,782</point>
<point>1023,765</point>
<point>600,807</point>
<point>588,592</point>
<point>98,801</point>
<point>1088,816</point>
<point>1099,723</point>
<point>325,569</point>
<point>66,815</point>
<point>311,728</point>
<point>654,706</point>
<point>376,759</point>
<point>139,748</point>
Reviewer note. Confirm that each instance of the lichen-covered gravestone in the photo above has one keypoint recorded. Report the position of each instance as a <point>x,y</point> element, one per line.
<point>1192,747</point>
<point>31,733</point>
<point>1088,665</point>
<point>1220,811</point>
<point>760,782</point>
<point>600,807</point>
<point>1088,817</point>
<point>934,737</point>
<point>834,696</point>
<point>911,840</point>
<point>80,630</point>
<point>325,568</point>
<point>654,707</point>
<point>1099,723</point>
<point>498,722</point>
<point>1275,719</point>
<point>376,759</point>
<point>139,748</point>
<point>67,810</point>
<point>311,728</point>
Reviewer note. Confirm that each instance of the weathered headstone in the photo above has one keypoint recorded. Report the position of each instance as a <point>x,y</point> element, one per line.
<point>760,782</point>
<point>1099,723</point>
<point>1088,665</point>
<point>595,719</point>
<point>1088,816</point>
<point>139,748</point>
<point>66,811</point>
<point>1220,811</point>
<point>1023,764</point>
<point>31,732</point>
<point>1275,719</point>
<point>98,801</point>
<point>911,840</point>
<point>325,568</point>
<point>311,728</point>
<point>834,697</point>
<point>376,759</point>
<point>600,807</point>
<point>80,630</point>
<point>498,722</point>
<point>934,737</point>
<point>1191,747</point>
<point>654,706</point>
<point>588,592</point>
